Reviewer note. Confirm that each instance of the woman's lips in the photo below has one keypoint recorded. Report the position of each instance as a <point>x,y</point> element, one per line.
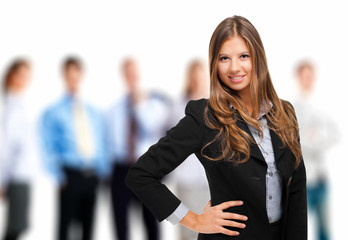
<point>236,78</point>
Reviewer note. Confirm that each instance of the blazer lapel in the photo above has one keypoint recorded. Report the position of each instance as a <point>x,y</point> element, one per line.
<point>255,152</point>
<point>277,143</point>
<point>254,149</point>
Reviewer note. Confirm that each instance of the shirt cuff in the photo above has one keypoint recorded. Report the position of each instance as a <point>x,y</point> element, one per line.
<point>179,213</point>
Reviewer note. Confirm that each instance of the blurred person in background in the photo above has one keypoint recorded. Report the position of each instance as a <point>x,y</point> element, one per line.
<point>73,134</point>
<point>17,131</point>
<point>317,134</point>
<point>135,122</point>
<point>190,179</point>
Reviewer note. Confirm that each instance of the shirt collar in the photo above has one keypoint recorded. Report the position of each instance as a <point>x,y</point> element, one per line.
<point>263,111</point>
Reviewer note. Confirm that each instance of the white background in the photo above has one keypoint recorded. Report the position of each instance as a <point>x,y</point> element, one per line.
<point>164,36</point>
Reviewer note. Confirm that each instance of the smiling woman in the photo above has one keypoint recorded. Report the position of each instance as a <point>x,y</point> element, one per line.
<point>235,66</point>
<point>247,140</point>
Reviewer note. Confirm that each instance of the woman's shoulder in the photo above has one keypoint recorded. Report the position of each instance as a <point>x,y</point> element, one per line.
<point>286,103</point>
<point>287,106</point>
<point>289,109</point>
<point>195,108</point>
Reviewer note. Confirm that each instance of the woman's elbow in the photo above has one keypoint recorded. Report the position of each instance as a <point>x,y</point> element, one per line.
<point>131,179</point>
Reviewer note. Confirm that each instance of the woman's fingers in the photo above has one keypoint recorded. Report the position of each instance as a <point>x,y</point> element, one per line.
<point>228,232</point>
<point>230,223</point>
<point>234,216</point>
<point>214,219</point>
<point>229,204</point>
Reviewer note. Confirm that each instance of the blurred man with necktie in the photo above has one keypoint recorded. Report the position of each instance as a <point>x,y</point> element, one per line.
<point>74,146</point>
<point>135,122</point>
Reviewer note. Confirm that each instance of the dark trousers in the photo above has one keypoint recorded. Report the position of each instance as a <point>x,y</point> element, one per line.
<point>317,203</point>
<point>77,202</point>
<point>121,198</point>
<point>275,230</point>
<point>17,198</point>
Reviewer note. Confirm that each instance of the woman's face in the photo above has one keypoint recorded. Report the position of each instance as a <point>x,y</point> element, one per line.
<point>234,64</point>
<point>20,79</point>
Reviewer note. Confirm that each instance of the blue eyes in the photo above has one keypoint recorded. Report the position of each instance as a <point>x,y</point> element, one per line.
<point>243,56</point>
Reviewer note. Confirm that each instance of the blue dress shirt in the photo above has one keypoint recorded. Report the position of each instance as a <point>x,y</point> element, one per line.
<point>59,140</point>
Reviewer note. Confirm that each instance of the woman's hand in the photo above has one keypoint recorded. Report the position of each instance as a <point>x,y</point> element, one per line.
<point>213,219</point>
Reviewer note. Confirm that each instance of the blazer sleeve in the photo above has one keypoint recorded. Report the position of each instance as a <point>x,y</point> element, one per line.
<point>297,205</point>
<point>144,178</point>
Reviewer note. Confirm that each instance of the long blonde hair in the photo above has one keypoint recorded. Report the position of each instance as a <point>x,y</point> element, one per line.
<point>235,142</point>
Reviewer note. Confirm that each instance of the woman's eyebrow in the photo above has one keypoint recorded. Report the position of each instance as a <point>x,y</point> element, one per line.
<point>244,52</point>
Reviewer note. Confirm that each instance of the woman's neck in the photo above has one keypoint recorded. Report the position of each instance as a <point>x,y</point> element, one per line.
<point>246,99</point>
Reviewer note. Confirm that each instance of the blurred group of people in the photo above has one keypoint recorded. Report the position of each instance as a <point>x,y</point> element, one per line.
<point>83,146</point>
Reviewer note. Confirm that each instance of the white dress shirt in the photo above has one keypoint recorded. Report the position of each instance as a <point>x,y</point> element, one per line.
<point>17,139</point>
<point>317,134</point>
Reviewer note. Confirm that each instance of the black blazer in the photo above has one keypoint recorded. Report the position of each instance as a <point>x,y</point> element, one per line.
<point>227,180</point>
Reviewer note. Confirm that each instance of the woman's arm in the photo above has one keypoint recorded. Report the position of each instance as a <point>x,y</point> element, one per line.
<point>297,203</point>
<point>297,206</point>
<point>163,157</point>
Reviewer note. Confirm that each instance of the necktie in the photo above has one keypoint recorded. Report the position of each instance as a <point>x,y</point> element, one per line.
<point>83,131</point>
<point>132,136</point>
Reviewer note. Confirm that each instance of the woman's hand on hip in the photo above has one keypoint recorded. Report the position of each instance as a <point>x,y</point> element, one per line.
<point>214,219</point>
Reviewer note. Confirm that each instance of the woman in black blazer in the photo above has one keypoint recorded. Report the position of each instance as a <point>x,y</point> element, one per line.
<point>247,140</point>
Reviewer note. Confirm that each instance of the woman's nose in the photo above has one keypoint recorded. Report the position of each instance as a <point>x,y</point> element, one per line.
<point>234,67</point>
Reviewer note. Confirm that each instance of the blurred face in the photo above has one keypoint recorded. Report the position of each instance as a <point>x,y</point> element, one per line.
<point>234,65</point>
<point>131,75</point>
<point>306,79</point>
<point>20,79</point>
<point>73,77</point>
<point>198,82</point>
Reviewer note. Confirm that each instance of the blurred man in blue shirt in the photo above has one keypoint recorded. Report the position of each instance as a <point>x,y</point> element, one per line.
<point>135,122</point>
<point>73,137</point>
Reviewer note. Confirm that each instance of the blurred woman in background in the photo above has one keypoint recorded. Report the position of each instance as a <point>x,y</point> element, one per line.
<point>15,147</point>
<point>189,178</point>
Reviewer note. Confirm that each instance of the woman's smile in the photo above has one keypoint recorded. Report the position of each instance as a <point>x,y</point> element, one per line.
<point>236,78</point>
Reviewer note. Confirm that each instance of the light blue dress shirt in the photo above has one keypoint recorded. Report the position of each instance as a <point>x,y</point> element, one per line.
<point>273,180</point>
<point>59,140</point>
<point>151,116</point>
